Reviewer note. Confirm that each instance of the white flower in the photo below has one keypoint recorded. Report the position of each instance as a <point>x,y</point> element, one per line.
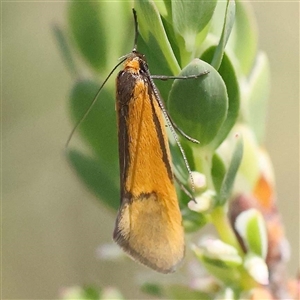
<point>203,202</point>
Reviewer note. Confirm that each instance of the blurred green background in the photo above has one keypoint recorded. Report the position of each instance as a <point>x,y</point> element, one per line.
<point>51,225</point>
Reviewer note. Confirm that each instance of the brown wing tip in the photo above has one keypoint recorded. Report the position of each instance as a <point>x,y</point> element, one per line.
<point>158,264</point>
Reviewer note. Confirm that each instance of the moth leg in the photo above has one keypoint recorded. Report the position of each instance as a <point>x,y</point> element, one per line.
<point>184,189</point>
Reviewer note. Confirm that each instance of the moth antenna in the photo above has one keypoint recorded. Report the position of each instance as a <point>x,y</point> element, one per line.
<point>92,103</point>
<point>136,30</point>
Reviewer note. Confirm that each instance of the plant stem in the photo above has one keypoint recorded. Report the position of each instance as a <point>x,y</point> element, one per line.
<point>220,221</point>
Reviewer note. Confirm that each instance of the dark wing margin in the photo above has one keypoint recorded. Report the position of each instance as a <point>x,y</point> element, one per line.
<point>125,87</point>
<point>159,131</point>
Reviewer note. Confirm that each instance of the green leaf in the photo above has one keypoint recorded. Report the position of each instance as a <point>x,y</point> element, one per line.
<point>65,50</point>
<point>251,227</point>
<point>164,8</point>
<point>152,289</point>
<point>227,274</point>
<point>230,175</point>
<point>190,18</point>
<point>218,253</point>
<point>118,33</point>
<point>258,93</point>
<point>153,33</point>
<point>183,292</point>
<point>100,180</point>
<point>192,221</point>
<point>257,268</point>
<point>199,106</point>
<point>88,31</point>
<point>250,168</point>
<point>155,45</point>
<point>229,76</point>
<point>173,291</point>
<point>227,27</point>
<point>157,66</point>
<point>177,43</point>
<point>243,40</point>
<point>217,172</point>
<point>99,131</point>
<point>99,128</point>
<point>91,293</point>
<point>89,22</point>
<point>220,259</point>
